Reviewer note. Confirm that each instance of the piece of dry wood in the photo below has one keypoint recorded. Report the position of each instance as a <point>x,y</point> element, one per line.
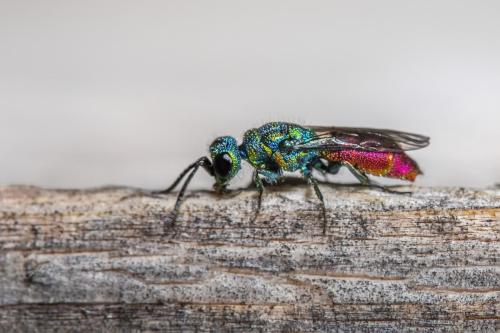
<point>90,260</point>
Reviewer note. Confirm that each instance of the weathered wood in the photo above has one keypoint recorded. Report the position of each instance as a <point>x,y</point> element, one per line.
<point>88,260</point>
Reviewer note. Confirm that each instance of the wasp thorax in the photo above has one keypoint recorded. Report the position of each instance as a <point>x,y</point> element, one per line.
<point>225,158</point>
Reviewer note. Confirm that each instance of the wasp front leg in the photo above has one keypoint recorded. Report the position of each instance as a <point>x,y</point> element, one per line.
<point>259,175</point>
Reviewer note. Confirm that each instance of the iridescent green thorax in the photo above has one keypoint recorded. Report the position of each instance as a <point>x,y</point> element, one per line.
<point>266,147</point>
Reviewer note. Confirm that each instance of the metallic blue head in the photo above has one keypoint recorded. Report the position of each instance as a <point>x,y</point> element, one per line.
<point>226,159</point>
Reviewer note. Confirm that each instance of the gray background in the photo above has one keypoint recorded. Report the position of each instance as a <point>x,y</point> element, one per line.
<point>130,92</point>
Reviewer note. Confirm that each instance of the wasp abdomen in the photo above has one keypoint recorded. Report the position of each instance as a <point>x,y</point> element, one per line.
<point>385,164</point>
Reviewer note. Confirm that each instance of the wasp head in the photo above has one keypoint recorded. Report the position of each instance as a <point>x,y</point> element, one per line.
<point>226,160</point>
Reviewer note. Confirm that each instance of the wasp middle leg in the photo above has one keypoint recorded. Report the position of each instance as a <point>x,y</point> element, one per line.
<point>314,182</point>
<point>260,188</point>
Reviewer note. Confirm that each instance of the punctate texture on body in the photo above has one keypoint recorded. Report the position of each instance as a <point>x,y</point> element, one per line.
<point>279,147</point>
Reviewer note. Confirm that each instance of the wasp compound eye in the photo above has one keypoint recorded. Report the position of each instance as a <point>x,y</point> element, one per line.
<point>223,164</point>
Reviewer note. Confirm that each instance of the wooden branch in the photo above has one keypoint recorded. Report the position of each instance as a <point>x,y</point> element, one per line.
<point>91,260</point>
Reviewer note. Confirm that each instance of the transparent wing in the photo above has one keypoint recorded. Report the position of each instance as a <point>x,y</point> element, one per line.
<point>367,139</point>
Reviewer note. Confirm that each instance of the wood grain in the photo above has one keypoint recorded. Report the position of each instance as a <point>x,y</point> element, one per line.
<point>101,260</point>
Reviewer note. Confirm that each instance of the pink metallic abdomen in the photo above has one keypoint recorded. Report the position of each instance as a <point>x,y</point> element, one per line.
<point>385,164</point>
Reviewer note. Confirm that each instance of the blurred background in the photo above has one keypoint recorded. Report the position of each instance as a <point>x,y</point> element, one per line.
<point>125,92</point>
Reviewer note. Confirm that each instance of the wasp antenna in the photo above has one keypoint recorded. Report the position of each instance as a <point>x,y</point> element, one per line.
<point>180,197</point>
<point>203,161</point>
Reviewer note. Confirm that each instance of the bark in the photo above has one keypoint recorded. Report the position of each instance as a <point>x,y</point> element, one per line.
<point>101,260</point>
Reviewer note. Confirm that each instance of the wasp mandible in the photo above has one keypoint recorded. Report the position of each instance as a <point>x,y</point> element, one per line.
<point>277,147</point>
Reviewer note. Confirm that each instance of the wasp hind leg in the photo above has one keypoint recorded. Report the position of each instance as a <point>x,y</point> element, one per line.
<point>331,168</point>
<point>364,180</point>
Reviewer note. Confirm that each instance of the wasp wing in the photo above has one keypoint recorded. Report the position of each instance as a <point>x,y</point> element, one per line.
<point>367,139</point>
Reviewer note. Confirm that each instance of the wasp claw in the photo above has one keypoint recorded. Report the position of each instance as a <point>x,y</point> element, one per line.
<point>169,222</point>
<point>232,193</point>
<point>140,194</point>
<point>254,218</point>
<point>388,190</point>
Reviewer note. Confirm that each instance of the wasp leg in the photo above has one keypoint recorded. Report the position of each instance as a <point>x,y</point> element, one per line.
<point>260,187</point>
<point>361,176</point>
<point>320,166</point>
<point>330,167</point>
<point>334,167</point>
<point>363,179</point>
<point>269,177</point>
<point>307,174</point>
